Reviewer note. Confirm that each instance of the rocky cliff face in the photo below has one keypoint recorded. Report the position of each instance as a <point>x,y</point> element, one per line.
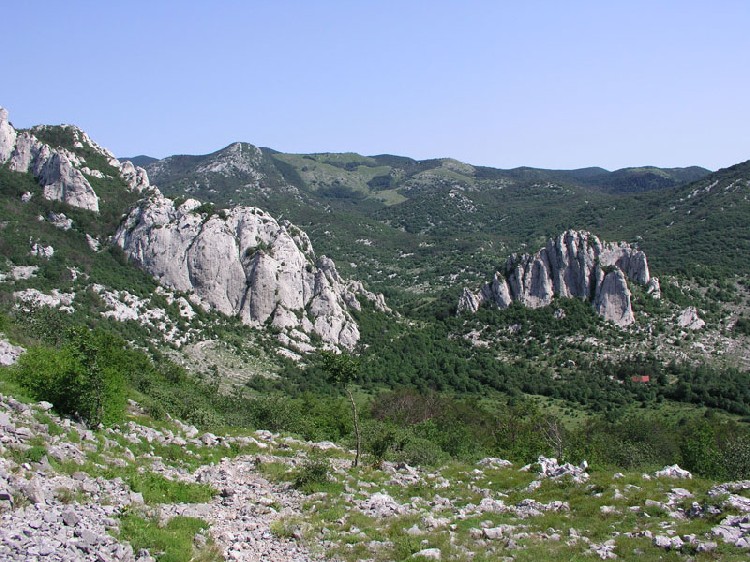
<point>62,174</point>
<point>244,263</point>
<point>575,264</point>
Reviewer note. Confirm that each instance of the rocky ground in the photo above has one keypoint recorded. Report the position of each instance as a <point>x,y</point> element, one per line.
<point>70,493</point>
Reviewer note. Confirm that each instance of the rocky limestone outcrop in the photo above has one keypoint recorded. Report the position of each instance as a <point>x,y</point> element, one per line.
<point>135,176</point>
<point>244,263</point>
<point>60,172</point>
<point>55,170</point>
<point>575,264</point>
<point>7,137</point>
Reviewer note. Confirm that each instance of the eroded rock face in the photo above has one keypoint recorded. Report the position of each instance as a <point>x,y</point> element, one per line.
<point>60,172</point>
<point>55,170</point>
<point>243,263</point>
<point>7,137</point>
<point>613,299</point>
<point>135,176</point>
<point>575,264</point>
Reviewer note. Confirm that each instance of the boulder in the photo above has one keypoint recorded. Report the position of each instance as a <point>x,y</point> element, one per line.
<point>135,176</point>
<point>690,320</point>
<point>9,353</point>
<point>673,471</point>
<point>612,300</point>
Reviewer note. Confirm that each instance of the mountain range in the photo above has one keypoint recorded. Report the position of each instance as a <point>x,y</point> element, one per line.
<point>232,233</point>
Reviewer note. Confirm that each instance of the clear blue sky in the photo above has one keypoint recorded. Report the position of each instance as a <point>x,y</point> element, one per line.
<point>555,84</point>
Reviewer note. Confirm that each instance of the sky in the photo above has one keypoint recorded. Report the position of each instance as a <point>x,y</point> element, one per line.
<point>548,84</point>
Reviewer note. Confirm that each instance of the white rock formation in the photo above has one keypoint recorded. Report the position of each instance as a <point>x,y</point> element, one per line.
<point>575,264</point>
<point>690,320</point>
<point>135,176</point>
<point>41,251</point>
<point>673,471</point>
<point>612,299</point>
<point>653,288</point>
<point>7,137</point>
<point>60,220</point>
<point>60,172</point>
<point>55,171</point>
<point>9,353</point>
<point>243,262</point>
<point>55,299</point>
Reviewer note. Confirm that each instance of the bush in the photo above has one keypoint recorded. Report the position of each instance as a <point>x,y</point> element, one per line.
<point>736,458</point>
<point>418,451</point>
<point>85,377</point>
<point>312,474</point>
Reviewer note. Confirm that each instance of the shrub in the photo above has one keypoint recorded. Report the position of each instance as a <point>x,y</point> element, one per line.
<point>312,474</point>
<point>85,377</point>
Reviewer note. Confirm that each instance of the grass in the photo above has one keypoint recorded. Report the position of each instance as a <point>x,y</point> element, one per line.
<point>154,487</point>
<point>173,542</point>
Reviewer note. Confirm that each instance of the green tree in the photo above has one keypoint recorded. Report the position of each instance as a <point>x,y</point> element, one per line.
<point>84,377</point>
<point>341,370</point>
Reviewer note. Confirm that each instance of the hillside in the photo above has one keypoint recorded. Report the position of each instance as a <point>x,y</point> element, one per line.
<point>435,220</point>
<point>167,491</point>
<point>124,308</point>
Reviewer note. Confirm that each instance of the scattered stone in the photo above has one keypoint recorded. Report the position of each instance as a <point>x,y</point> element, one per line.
<point>431,553</point>
<point>549,468</point>
<point>491,462</point>
<point>9,353</point>
<point>605,550</point>
<point>673,471</point>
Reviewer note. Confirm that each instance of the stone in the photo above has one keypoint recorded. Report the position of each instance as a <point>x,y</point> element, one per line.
<point>653,288</point>
<point>575,264</point>
<point>242,262</point>
<point>430,553</point>
<point>550,468</point>
<point>491,462</point>
<point>70,518</point>
<point>612,300</point>
<point>60,221</point>
<point>690,320</point>
<point>7,136</point>
<point>135,176</point>
<point>9,353</point>
<point>35,491</point>
<point>673,471</point>
<point>381,505</point>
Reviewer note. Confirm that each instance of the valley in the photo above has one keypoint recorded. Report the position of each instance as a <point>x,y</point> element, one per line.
<point>165,322</point>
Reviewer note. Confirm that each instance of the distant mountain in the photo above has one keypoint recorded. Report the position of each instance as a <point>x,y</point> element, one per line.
<point>449,217</point>
<point>647,178</point>
<point>141,160</point>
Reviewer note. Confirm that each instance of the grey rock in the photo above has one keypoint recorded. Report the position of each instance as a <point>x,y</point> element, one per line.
<point>243,263</point>
<point>673,471</point>
<point>575,264</point>
<point>431,553</point>
<point>135,176</point>
<point>550,468</point>
<point>35,491</point>
<point>7,137</point>
<point>70,518</point>
<point>612,300</point>
<point>46,406</point>
<point>9,353</point>
<point>690,320</point>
